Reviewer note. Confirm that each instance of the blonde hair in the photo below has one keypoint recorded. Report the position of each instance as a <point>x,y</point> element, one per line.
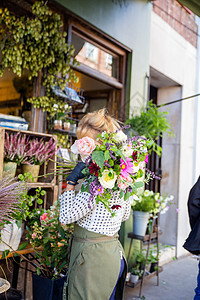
<point>95,123</point>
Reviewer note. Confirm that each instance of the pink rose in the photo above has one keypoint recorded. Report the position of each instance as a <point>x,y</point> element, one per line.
<point>84,146</point>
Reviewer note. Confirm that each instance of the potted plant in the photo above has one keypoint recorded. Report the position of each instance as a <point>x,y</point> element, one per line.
<point>38,152</point>
<point>15,146</point>
<point>136,273</point>
<point>50,239</point>
<point>151,123</point>
<point>141,210</point>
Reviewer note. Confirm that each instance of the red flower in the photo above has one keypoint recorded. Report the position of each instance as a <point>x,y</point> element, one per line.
<point>116,207</point>
<point>94,169</point>
<point>134,155</point>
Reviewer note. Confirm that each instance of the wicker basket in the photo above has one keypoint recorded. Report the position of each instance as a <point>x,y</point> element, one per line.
<point>4,285</point>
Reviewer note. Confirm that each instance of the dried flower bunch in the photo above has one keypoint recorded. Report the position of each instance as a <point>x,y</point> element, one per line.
<point>10,192</point>
<point>15,147</point>
<point>20,148</point>
<point>116,163</point>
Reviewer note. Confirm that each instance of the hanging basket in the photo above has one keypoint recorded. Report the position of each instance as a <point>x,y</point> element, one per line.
<point>140,221</point>
<point>33,170</point>
<point>4,285</point>
<point>9,169</point>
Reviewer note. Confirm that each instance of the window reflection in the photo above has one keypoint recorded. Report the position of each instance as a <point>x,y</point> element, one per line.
<point>94,57</point>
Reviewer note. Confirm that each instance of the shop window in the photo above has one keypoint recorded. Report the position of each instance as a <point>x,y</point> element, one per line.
<point>95,57</point>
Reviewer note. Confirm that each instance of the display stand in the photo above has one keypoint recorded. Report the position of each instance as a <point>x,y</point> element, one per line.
<point>142,239</point>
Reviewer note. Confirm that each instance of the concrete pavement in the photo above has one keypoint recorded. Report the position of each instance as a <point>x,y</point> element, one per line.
<point>177,282</point>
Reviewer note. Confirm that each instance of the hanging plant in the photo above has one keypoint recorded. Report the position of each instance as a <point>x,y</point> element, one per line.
<point>37,45</point>
<point>151,123</point>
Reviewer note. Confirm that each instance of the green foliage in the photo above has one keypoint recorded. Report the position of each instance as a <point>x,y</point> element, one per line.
<point>152,123</point>
<point>26,202</point>
<point>37,44</point>
<point>50,240</point>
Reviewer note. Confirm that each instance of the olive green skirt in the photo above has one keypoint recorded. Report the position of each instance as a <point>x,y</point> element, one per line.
<point>94,267</point>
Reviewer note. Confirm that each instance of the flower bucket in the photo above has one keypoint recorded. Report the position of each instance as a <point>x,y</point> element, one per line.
<point>140,220</point>
<point>47,289</point>
<point>9,168</point>
<point>33,170</point>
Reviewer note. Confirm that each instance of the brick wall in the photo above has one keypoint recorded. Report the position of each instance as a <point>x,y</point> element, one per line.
<point>178,17</point>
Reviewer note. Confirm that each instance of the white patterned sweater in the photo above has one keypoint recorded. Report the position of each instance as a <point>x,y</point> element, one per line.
<point>93,217</point>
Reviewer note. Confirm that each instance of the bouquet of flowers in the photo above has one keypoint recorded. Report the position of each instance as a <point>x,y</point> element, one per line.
<point>113,163</point>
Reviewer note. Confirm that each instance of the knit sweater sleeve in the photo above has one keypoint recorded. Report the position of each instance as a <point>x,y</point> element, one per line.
<point>73,208</point>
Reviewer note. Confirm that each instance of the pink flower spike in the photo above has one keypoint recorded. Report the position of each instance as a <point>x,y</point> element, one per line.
<point>126,167</point>
<point>146,158</point>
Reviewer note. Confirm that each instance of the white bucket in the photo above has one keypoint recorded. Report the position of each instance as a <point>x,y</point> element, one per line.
<point>140,220</point>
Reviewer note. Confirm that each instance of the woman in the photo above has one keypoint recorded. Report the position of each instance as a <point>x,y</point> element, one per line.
<point>97,267</point>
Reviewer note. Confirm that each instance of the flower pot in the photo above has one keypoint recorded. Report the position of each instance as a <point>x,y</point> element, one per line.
<point>33,170</point>
<point>66,126</point>
<point>73,128</point>
<point>9,168</point>
<point>154,267</point>
<point>47,289</point>
<point>11,234</point>
<point>134,278</point>
<point>140,220</point>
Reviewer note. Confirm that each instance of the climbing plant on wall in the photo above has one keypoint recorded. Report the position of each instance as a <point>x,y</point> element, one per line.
<point>37,45</point>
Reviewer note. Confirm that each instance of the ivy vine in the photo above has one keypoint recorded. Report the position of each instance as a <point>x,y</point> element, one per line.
<point>37,44</point>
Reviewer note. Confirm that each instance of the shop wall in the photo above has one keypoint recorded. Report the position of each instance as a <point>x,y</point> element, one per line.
<point>176,58</point>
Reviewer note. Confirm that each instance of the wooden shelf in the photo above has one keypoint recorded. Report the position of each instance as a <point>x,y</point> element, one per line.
<point>40,184</point>
<point>64,131</point>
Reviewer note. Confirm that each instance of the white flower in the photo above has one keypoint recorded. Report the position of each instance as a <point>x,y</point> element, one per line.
<point>108,182</point>
<point>146,193</point>
<point>120,136</point>
<point>127,151</point>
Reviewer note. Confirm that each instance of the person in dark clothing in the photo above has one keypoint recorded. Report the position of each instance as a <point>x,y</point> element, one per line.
<point>192,243</point>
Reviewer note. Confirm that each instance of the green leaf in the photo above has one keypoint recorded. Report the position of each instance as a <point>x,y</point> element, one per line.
<point>39,201</point>
<point>98,157</point>
<point>127,195</point>
<point>121,194</point>
<point>107,154</point>
<point>138,184</point>
<point>23,246</point>
<point>5,253</point>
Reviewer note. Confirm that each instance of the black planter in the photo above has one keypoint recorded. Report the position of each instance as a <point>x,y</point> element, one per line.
<point>11,294</point>
<point>153,267</point>
<point>47,289</point>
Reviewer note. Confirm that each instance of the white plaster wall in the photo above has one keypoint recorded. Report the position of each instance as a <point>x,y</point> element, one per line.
<point>173,56</point>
